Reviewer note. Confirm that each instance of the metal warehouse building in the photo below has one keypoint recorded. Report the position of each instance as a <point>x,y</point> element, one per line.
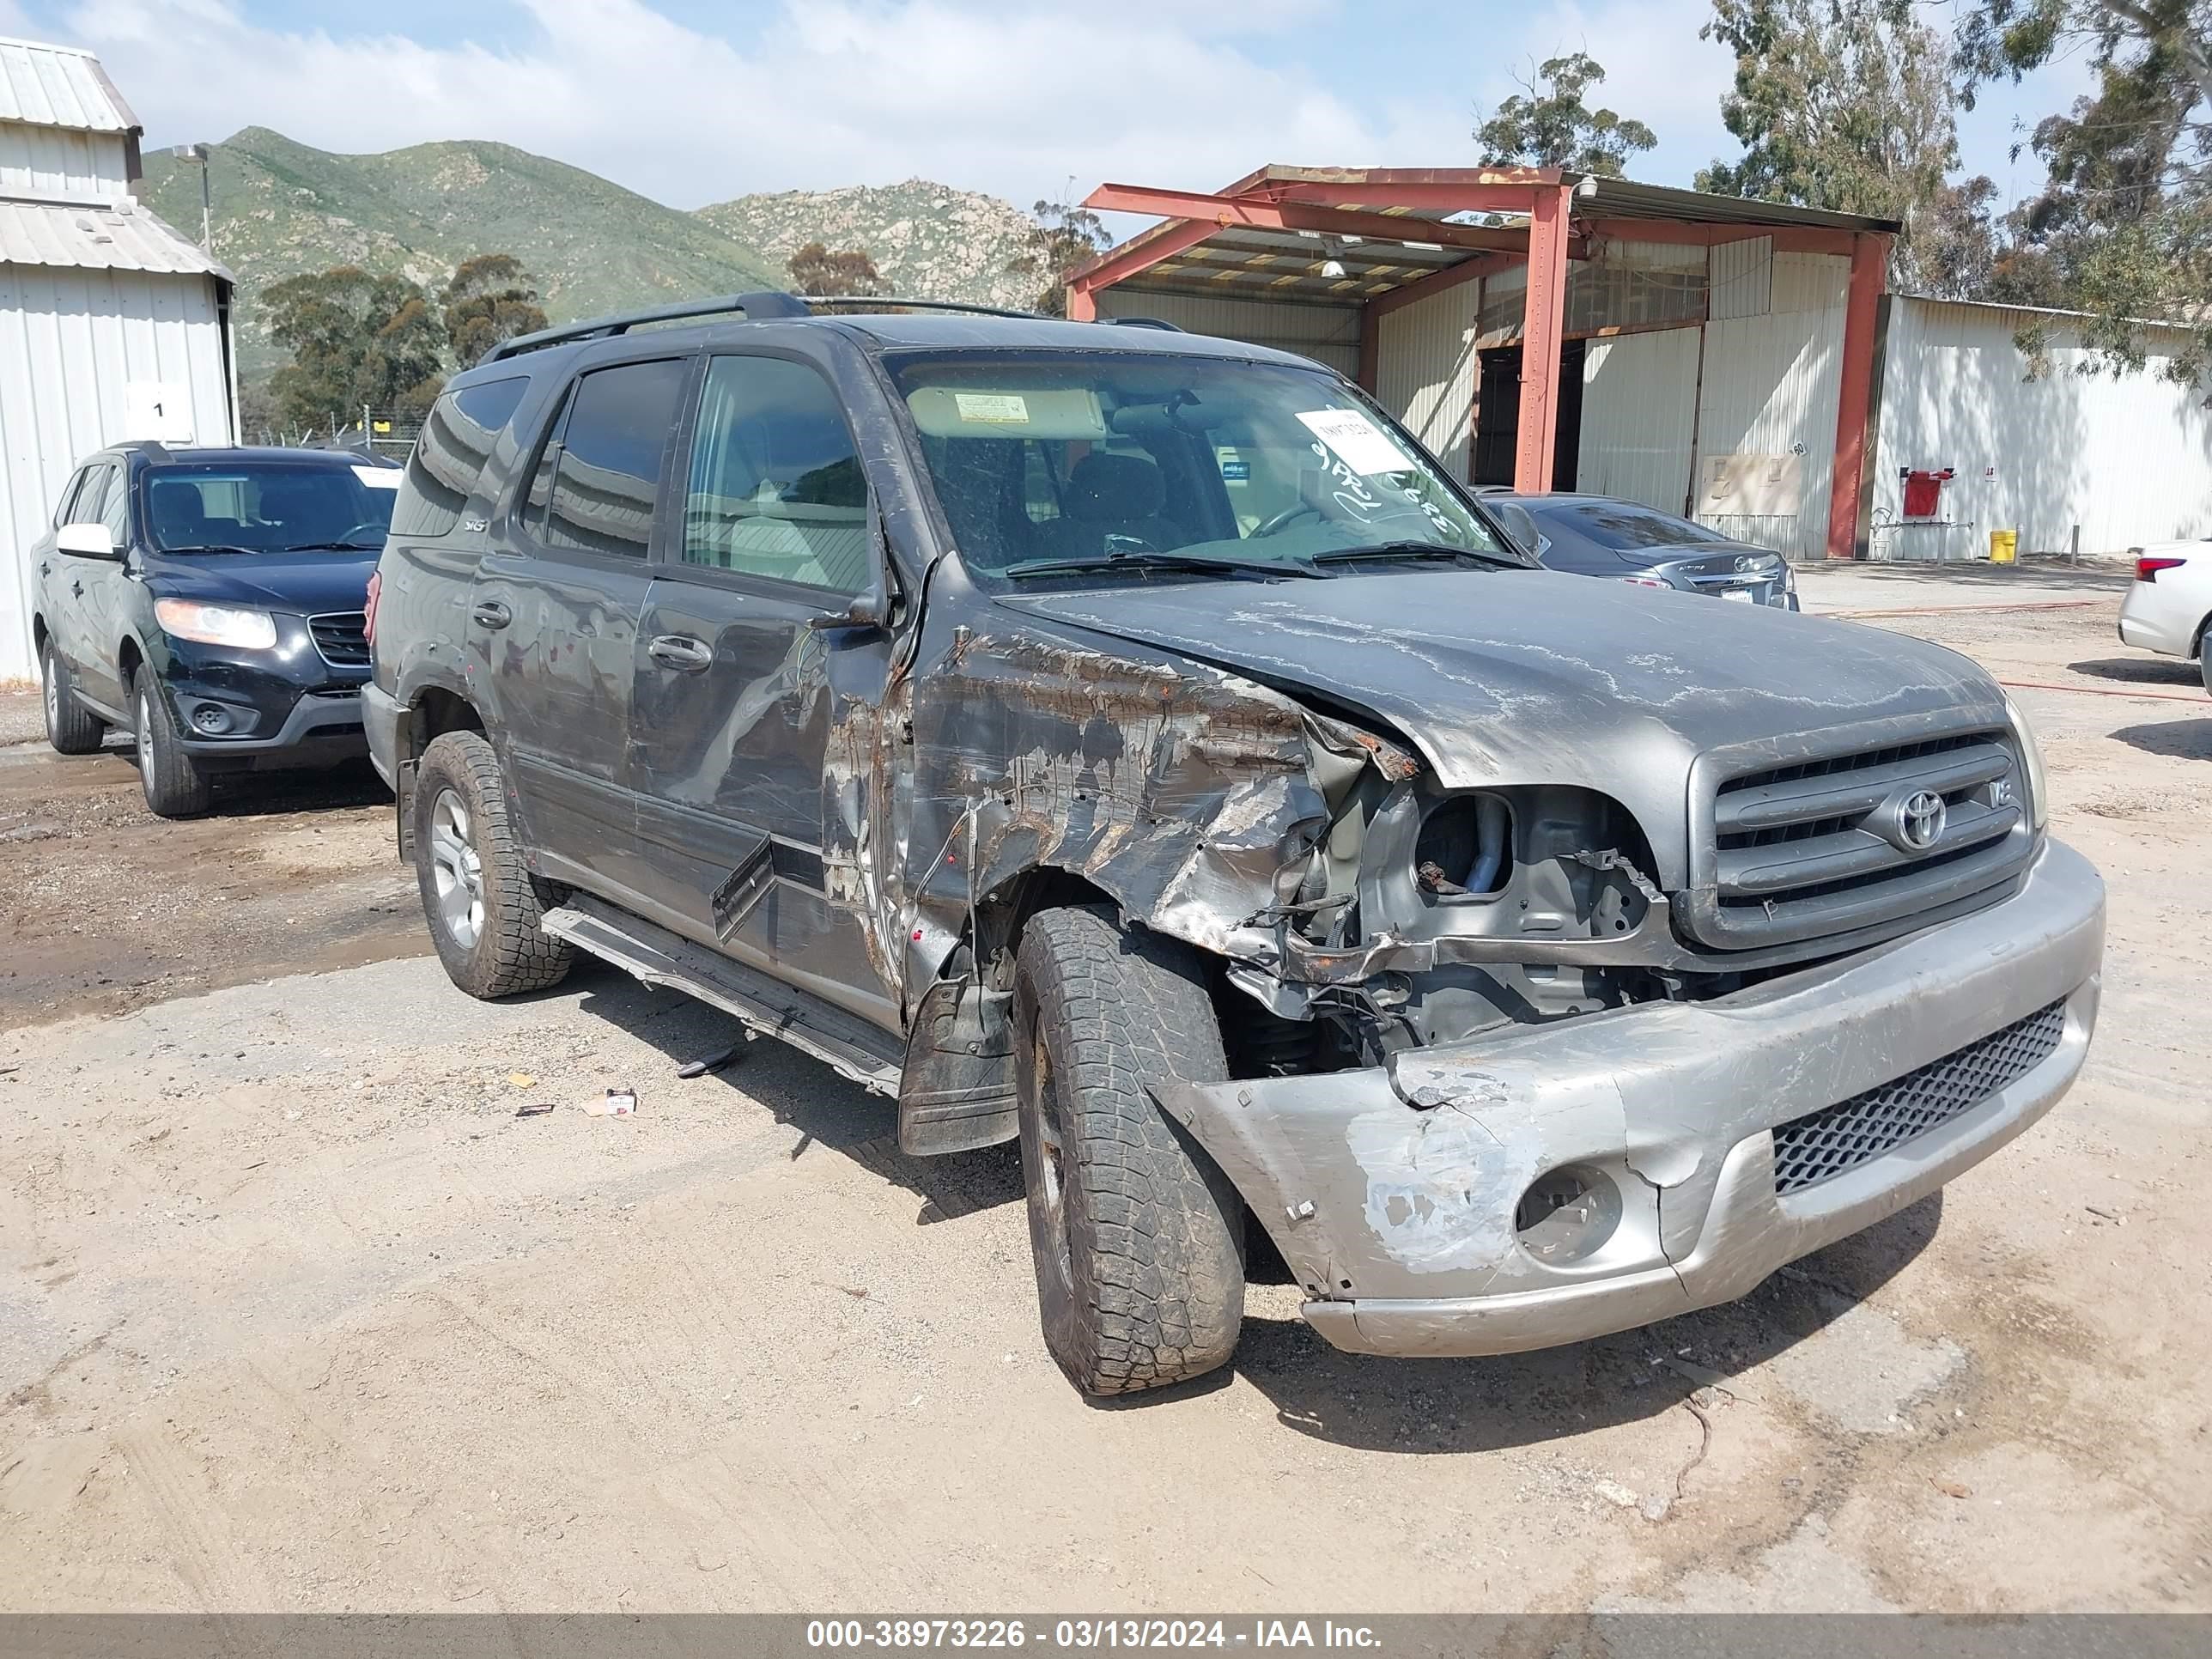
<point>112,325</point>
<point>1736,361</point>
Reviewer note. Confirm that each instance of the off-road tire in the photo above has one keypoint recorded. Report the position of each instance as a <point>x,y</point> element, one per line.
<point>1140,1266</point>
<point>174,787</point>
<point>71,728</point>
<point>511,952</point>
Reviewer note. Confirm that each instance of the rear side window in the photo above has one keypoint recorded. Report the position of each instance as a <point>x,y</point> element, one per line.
<point>599,480</point>
<point>776,489</point>
<point>65,509</point>
<point>449,458</point>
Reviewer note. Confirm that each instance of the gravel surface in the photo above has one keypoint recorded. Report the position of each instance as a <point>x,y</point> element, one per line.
<point>297,1312</point>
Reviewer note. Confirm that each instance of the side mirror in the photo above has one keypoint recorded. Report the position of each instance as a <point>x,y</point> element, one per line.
<point>87,541</point>
<point>1520,526</point>
<point>871,607</point>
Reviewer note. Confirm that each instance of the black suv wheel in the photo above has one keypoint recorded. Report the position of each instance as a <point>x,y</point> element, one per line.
<point>175,788</point>
<point>1137,1235</point>
<point>71,728</point>
<point>481,903</point>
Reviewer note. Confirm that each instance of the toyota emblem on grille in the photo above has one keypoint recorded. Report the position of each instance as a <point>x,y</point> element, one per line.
<point>1918,821</point>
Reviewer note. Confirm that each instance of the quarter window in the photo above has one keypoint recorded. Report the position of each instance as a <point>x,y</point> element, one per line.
<point>457,438</point>
<point>114,508</point>
<point>776,489</point>
<point>598,483</point>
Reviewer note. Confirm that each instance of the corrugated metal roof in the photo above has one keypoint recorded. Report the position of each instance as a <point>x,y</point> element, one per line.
<point>49,86</point>
<point>97,239</point>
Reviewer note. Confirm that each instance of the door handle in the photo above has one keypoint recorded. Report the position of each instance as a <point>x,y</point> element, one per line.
<point>680,652</point>
<point>492,614</point>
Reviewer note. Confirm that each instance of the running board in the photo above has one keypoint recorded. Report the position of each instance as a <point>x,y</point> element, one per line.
<point>849,1046</point>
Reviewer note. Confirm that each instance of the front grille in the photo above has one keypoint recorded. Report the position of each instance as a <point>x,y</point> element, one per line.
<point>342,637</point>
<point>1818,847</point>
<point>1842,1137</point>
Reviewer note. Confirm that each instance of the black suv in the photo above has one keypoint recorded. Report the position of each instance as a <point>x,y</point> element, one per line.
<point>1134,743</point>
<point>211,603</point>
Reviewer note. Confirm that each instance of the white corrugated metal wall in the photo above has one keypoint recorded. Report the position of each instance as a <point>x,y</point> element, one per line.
<point>1640,417</point>
<point>71,342</point>
<point>2128,458</point>
<point>1769,387</point>
<point>1328,334</point>
<point>1425,370</point>
<point>60,162</point>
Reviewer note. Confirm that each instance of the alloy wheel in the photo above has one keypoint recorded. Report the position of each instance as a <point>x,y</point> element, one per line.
<point>456,869</point>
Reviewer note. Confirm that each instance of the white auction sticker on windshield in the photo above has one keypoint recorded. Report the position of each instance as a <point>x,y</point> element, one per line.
<point>997,408</point>
<point>1362,446</point>
<point>378,478</point>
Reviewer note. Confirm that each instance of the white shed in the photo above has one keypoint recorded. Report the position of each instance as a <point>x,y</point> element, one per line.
<point>112,326</point>
<point>2118,458</point>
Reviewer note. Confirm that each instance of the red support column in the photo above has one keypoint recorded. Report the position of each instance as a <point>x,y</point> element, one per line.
<point>1869,264</point>
<point>1081,307</point>
<point>1371,346</point>
<point>1543,315</point>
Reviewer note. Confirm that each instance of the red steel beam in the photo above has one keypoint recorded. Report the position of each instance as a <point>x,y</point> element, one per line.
<point>1141,252</point>
<point>1227,210</point>
<point>1543,317</point>
<point>1869,266</point>
<point>1436,282</point>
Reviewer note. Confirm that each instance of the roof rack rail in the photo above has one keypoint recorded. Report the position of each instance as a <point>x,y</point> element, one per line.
<point>765,304</point>
<point>1160,323</point>
<point>890,301</point>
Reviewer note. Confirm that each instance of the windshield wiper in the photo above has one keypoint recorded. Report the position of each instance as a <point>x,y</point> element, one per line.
<point>1150,559</point>
<point>1414,550</point>
<point>215,547</point>
<point>334,547</point>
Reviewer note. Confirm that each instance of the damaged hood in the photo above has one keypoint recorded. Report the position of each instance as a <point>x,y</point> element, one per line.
<point>1536,677</point>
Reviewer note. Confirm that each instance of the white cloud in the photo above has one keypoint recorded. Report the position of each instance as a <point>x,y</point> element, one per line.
<point>832,92</point>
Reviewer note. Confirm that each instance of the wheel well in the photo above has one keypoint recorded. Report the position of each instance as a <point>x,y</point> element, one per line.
<point>2196,640</point>
<point>1002,915</point>
<point>128,659</point>
<point>437,711</point>
<point>37,632</point>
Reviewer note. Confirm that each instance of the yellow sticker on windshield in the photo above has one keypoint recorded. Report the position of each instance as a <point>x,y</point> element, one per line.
<point>996,408</point>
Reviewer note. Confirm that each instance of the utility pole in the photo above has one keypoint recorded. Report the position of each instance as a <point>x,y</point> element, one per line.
<point>198,153</point>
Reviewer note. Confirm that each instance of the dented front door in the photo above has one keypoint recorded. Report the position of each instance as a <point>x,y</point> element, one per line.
<point>739,699</point>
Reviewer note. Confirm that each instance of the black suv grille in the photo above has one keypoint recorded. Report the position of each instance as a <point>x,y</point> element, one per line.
<point>1816,847</point>
<point>342,637</point>
<point>1843,1136</point>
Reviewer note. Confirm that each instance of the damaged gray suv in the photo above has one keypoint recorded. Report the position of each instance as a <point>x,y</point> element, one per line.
<point>1133,743</point>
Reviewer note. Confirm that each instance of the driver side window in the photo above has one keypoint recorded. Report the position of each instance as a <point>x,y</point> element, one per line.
<point>776,487</point>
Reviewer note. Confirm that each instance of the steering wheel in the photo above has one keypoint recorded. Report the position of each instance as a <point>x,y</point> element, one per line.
<point>368,530</point>
<point>1284,520</point>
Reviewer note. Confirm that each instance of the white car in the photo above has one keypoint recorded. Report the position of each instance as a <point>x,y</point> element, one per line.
<point>2170,602</point>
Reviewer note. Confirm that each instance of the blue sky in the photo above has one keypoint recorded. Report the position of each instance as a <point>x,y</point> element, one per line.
<point>692,102</point>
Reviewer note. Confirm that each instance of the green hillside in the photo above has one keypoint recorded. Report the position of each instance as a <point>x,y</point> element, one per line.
<point>282,208</point>
<point>929,241</point>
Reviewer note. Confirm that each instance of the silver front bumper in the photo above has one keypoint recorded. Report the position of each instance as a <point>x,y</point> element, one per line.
<point>1392,1192</point>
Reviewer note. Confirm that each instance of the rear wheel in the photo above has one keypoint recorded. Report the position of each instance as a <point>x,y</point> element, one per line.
<point>174,787</point>
<point>71,728</point>
<point>1136,1235</point>
<point>2204,659</point>
<point>483,906</point>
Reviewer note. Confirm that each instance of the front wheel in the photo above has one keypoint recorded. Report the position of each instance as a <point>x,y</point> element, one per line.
<point>481,903</point>
<point>71,728</point>
<point>174,787</point>
<point>1138,1237</point>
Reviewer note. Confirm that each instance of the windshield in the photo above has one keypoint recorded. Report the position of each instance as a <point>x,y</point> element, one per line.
<point>270,507</point>
<point>1074,464</point>
<point>1617,526</point>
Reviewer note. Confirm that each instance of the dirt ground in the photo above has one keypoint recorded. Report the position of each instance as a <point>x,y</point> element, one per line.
<point>297,1313</point>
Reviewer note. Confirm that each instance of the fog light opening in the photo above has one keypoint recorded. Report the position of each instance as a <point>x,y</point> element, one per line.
<point>1567,1214</point>
<point>211,717</point>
